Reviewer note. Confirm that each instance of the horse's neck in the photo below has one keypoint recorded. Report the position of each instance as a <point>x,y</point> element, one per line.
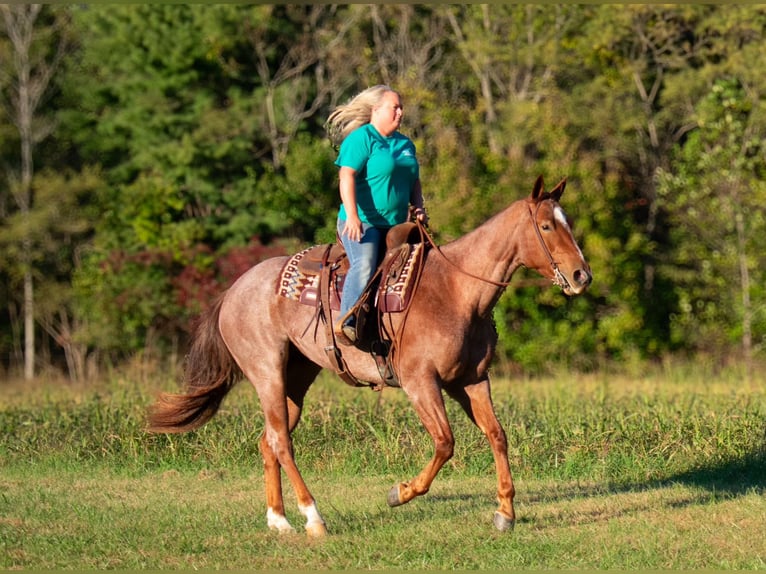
<point>488,253</point>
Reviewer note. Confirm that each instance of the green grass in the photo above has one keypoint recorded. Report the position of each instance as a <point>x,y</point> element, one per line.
<point>657,472</point>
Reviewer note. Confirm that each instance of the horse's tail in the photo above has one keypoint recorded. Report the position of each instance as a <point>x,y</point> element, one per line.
<point>210,373</point>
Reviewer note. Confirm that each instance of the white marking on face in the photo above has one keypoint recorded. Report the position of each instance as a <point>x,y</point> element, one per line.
<point>560,216</point>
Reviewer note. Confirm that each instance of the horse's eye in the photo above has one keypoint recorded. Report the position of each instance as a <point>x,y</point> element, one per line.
<point>546,227</point>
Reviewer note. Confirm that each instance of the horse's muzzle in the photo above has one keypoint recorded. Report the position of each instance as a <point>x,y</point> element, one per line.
<point>581,279</point>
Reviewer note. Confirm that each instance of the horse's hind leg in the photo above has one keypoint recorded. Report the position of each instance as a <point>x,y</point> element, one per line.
<point>476,400</point>
<point>275,514</point>
<point>276,446</point>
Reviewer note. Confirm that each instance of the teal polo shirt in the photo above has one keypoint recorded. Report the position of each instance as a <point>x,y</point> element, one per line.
<point>386,169</point>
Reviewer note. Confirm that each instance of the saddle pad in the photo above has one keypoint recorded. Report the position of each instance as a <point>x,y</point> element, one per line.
<point>302,285</point>
<point>398,286</point>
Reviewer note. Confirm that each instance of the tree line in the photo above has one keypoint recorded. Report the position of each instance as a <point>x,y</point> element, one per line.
<point>152,153</point>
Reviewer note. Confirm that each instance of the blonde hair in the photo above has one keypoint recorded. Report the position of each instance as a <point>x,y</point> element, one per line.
<point>356,112</point>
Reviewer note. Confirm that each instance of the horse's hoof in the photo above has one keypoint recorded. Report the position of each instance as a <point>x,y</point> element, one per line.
<point>278,522</point>
<point>503,523</point>
<point>393,497</point>
<point>316,530</point>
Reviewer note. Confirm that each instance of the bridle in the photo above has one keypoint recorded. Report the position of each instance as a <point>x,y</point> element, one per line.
<point>559,280</point>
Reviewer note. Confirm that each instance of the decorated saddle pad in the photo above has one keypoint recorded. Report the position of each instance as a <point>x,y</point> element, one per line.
<point>299,279</point>
<point>399,277</point>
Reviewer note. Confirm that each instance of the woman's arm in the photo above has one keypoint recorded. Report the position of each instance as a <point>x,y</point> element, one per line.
<point>353,227</point>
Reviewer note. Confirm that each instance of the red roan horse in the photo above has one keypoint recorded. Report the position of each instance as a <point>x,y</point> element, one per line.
<point>446,344</point>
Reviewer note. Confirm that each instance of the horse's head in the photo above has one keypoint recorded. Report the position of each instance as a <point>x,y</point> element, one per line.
<point>551,247</point>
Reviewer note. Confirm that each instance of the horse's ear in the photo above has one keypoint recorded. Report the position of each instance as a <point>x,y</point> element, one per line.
<point>538,189</point>
<point>558,191</point>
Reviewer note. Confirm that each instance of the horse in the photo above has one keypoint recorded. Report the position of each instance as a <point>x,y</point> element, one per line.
<point>446,342</point>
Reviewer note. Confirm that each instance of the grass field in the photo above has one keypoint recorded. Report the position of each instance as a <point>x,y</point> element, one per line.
<point>661,471</point>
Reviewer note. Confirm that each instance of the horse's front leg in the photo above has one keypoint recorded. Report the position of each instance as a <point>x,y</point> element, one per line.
<point>476,400</point>
<point>429,405</point>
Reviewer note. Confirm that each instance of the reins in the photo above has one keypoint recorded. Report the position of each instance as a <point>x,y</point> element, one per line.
<point>424,233</point>
<point>533,216</point>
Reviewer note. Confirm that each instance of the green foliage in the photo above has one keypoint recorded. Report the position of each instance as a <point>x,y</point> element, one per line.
<point>303,199</point>
<point>662,426</point>
<point>202,125</point>
<point>717,197</point>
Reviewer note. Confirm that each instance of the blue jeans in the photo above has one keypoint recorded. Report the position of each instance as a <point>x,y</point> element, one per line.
<point>363,257</point>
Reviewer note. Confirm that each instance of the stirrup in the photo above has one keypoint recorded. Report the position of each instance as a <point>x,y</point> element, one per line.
<point>351,335</point>
<point>380,353</point>
<point>345,333</point>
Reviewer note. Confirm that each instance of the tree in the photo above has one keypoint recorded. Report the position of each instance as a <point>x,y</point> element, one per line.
<point>191,112</point>
<point>38,41</point>
<point>514,53</point>
<point>717,196</point>
<point>631,104</point>
<point>57,227</point>
<point>292,46</point>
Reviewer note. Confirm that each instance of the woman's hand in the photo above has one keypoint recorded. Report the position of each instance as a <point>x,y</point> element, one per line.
<point>353,228</point>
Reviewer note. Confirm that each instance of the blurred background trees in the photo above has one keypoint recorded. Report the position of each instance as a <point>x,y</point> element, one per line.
<point>164,149</point>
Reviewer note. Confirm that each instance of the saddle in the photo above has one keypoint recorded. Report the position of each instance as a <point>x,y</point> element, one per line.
<point>316,275</point>
<point>301,275</point>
